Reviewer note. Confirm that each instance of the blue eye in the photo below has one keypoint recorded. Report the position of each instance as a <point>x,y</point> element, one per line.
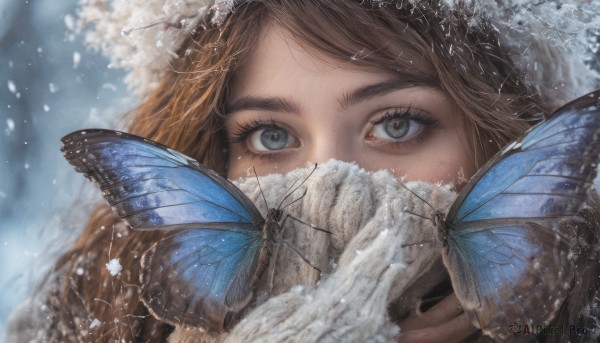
<point>396,128</point>
<point>271,139</point>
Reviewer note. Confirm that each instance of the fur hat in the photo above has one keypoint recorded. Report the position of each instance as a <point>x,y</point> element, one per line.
<point>553,42</point>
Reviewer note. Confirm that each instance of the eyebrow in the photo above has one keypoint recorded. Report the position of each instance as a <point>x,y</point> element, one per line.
<point>277,104</point>
<point>272,104</point>
<point>379,89</point>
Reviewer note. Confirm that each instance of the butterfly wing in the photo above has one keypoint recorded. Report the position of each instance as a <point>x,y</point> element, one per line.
<point>509,248</point>
<point>152,186</point>
<point>199,275</point>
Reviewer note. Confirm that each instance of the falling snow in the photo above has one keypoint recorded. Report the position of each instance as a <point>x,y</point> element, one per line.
<point>10,124</point>
<point>52,88</point>
<point>95,323</point>
<point>70,22</point>
<point>138,61</point>
<point>42,99</point>
<point>114,267</point>
<point>76,59</point>
<point>12,87</point>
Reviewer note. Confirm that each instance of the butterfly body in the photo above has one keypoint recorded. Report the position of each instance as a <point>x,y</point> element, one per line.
<point>270,230</point>
<point>216,244</point>
<point>508,240</point>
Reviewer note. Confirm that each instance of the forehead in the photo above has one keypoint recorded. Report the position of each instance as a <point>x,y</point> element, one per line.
<point>276,47</point>
<point>280,58</point>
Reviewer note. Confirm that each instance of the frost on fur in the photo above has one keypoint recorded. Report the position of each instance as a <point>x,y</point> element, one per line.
<point>552,42</point>
<point>141,36</point>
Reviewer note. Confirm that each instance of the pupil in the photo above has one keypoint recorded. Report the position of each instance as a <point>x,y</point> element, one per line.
<point>396,127</point>
<point>273,139</point>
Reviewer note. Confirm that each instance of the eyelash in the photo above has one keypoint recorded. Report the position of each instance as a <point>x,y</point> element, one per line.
<point>241,134</point>
<point>405,113</point>
<point>245,130</point>
<point>416,115</point>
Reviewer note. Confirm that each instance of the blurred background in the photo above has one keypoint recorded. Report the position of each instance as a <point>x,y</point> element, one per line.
<point>50,85</point>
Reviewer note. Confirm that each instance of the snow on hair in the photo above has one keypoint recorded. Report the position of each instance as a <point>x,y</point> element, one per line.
<point>553,42</point>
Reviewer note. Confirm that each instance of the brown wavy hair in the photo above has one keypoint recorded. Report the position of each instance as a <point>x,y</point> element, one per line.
<point>183,112</point>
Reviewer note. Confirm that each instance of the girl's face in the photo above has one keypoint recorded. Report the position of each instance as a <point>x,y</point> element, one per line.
<point>290,106</point>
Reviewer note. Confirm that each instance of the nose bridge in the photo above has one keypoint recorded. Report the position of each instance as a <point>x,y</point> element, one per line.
<point>333,142</point>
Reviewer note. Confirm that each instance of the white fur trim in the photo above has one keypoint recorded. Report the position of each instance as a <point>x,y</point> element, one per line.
<point>551,41</point>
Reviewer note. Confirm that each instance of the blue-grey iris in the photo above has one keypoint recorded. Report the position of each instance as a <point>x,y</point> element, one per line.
<point>396,127</point>
<point>273,138</point>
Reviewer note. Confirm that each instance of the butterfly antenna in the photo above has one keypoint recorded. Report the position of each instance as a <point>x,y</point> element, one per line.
<point>289,193</point>
<point>294,201</point>
<point>259,187</point>
<point>416,214</point>
<point>418,196</point>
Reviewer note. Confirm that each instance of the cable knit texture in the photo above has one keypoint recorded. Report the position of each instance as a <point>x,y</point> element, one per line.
<point>376,251</point>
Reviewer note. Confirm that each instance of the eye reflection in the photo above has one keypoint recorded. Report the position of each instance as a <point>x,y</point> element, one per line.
<point>270,139</point>
<point>396,128</point>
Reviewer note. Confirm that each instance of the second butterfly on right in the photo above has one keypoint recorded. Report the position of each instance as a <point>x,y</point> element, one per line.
<point>509,241</point>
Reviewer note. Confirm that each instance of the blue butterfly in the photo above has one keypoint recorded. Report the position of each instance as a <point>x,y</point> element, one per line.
<point>508,239</point>
<point>203,272</point>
